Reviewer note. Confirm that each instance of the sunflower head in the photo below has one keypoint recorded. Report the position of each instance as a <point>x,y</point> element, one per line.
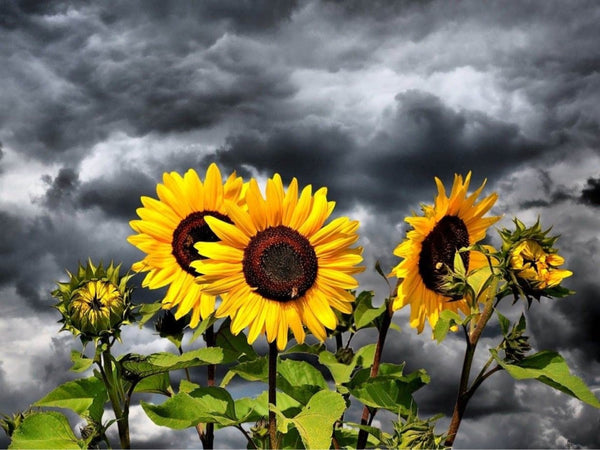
<point>169,227</point>
<point>533,262</point>
<point>169,327</point>
<point>95,302</point>
<point>278,264</point>
<point>430,251</point>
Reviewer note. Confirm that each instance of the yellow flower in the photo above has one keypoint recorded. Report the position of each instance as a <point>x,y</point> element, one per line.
<point>451,223</point>
<point>279,265</point>
<point>536,266</point>
<point>169,228</point>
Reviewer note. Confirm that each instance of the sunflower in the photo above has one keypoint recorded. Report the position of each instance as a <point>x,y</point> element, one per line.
<point>169,228</point>
<point>536,267</point>
<point>280,266</point>
<point>450,224</point>
<point>95,302</point>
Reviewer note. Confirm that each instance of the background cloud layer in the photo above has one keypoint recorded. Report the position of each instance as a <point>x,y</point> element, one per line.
<point>373,100</point>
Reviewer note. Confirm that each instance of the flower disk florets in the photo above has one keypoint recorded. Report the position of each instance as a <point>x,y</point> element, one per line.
<point>95,302</point>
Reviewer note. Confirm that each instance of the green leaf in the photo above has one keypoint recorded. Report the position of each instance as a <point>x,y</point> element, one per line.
<point>315,421</point>
<point>147,312</point>
<point>187,386</point>
<point>313,349</point>
<point>299,379</point>
<point>347,437</point>
<point>45,430</point>
<point>252,409</point>
<point>236,345</point>
<point>249,410</point>
<point>203,326</point>
<point>550,368</point>
<point>178,412</point>
<point>141,366</point>
<point>253,370</point>
<point>155,384</point>
<point>365,313</point>
<point>342,372</point>
<point>80,362</point>
<point>390,390</point>
<point>446,320</point>
<point>205,404</point>
<point>84,396</point>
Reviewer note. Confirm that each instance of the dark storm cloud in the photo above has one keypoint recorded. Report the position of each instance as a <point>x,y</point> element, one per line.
<point>591,193</point>
<point>118,194</point>
<point>61,188</point>
<point>87,83</point>
<point>306,152</point>
<point>423,138</point>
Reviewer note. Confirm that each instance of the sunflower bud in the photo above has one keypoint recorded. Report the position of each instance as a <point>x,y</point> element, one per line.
<point>10,423</point>
<point>417,434</point>
<point>169,327</point>
<point>516,344</point>
<point>95,302</point>
<point>260,430</point>
<point>533,262</point>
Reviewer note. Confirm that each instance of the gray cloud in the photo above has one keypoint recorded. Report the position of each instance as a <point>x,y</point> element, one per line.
<point>372,102</point>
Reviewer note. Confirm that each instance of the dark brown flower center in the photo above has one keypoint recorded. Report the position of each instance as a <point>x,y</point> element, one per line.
<point>280,263</point>
<point>190,230</point>
<point>96,304</point>
<point>438,250</point>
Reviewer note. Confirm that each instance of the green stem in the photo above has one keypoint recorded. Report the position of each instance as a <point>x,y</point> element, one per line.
<point>464,393</point>
<point>246,435</point>
<point>113,388</point>
<point>273,394</point>
<point>187,371</point>
<point>368,415</point>
<point>209,337</point>
<point>207,435</point>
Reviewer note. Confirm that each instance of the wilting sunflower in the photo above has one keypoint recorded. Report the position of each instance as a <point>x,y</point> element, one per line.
<point>450,224</point>
<point>169,228</point>
<point>279,265</point>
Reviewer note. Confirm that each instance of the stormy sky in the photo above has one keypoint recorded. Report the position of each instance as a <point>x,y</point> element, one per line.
<point>371,99</point>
